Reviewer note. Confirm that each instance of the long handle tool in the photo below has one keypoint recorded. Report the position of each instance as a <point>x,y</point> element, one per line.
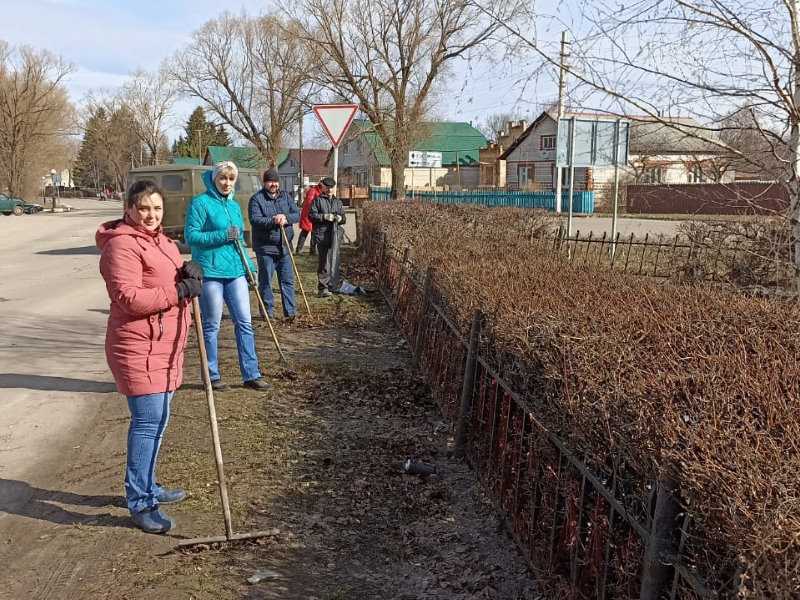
<point>261,308</point>
<point>212,417</point>
<point>296,272</point>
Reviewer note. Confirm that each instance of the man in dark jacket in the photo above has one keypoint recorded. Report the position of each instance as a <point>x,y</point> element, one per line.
<point>271,210</point>
<point>327,214</point>
<point>325,184</point>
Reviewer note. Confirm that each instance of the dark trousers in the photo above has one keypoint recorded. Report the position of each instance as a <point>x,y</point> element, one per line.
<point>301,241</point>
<point>326,257</point>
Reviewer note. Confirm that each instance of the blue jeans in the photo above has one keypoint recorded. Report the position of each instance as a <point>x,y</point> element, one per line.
<point>234,293</point>
<point>267,265</point>
<point>149,418</point>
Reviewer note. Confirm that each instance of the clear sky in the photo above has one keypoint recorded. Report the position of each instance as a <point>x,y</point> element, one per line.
<point>106,40</point>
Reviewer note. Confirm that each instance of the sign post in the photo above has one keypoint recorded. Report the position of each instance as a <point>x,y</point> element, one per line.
<point>335,120</point>
<point>424,158</point>
<point>591,143</point>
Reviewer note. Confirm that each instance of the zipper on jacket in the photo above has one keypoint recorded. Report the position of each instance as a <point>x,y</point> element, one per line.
<point>160,324</point>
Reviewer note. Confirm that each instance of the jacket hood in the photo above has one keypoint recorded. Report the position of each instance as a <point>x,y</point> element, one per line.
<point>211,189</point>
<point>112,229</point>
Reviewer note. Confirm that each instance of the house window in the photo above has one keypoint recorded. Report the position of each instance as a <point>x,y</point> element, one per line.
<point>547,142</point>
<point>525,175</point>
<point>653,175</point>
<point>696,174</point>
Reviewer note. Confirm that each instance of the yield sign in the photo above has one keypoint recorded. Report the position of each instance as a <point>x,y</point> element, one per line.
<point>335,119</point>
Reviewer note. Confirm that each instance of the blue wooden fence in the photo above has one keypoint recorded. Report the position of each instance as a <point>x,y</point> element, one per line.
<point>582,202</point>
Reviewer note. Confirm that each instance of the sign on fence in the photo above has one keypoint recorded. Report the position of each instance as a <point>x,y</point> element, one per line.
<point>423,158</point>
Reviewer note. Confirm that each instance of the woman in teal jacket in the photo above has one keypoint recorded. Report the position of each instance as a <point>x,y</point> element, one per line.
<point>213,227</point>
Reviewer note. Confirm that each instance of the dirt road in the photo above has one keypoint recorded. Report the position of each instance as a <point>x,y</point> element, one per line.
<point>317,463</point>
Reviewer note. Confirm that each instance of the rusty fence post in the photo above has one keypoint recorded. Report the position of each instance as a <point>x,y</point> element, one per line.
<point>657,569</point>
<point>423,313</point>
<point>399,286</point>
<point>468,384</point>
<point>358,218</point>
<point>383,243</point>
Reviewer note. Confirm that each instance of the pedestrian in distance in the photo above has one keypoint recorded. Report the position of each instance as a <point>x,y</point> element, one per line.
<point>271,213</point>
<point>327,214</point>
<point>306,225</point>
<point>213,228</point>
<point>150,288</point>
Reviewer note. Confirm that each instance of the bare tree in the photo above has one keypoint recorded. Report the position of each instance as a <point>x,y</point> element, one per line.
<point>253,73</point>
<point>35,115</point>
<point>116,144</point>
<point>494,125</point>
<point>390,55</point>
<point>698,58</point>
<point>150,98</point>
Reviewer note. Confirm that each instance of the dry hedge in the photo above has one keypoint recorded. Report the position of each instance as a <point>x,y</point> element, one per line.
<point>696,383</point>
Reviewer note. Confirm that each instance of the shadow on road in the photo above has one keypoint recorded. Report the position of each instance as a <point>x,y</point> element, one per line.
<point>21,498</point>
<point>102,311</point>
<point>71,251</point>
<point>55,384</point>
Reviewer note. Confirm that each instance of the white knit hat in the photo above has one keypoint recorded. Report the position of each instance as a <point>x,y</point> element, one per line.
<point>225,165</point>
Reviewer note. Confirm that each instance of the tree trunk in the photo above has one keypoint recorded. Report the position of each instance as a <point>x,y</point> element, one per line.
<point>398,179</point>
<point>794,183</point>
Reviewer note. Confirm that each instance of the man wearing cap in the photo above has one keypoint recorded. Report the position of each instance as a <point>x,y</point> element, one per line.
<point>324,186</point>
<point>271,210</point>
<point>327,213</point>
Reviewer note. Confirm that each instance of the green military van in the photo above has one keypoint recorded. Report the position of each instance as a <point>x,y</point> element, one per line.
<point>183,182</point>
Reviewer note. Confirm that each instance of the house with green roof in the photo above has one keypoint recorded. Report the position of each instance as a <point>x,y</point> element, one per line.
<point>244,157</point>
<point>363,159</point>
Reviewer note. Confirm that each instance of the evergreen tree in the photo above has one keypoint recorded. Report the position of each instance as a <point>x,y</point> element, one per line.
<point>91,166</point>
<point>200,134</point>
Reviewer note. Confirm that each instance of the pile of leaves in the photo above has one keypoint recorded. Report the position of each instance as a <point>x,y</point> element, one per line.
<point>687,382</point>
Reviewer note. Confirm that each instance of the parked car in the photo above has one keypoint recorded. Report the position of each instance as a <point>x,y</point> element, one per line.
<point>32,208</point>
<point>9,205</point>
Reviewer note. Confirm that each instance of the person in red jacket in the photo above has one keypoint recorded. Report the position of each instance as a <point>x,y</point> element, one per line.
<point>150,289</point>
<point>323,187</point>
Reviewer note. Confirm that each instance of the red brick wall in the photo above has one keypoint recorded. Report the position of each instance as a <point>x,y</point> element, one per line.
<point>707,198</point>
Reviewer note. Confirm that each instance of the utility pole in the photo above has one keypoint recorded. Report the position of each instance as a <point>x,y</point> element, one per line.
<point>562,82</point>
<point>300,159</point>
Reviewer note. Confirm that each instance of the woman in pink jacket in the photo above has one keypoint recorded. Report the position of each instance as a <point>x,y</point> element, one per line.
<point>150,288</point>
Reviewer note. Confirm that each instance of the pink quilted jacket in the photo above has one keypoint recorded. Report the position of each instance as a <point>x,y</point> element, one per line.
<point>148,325</point>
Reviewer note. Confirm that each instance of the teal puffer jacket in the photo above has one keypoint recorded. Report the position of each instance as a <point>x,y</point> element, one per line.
<point>206,232</point>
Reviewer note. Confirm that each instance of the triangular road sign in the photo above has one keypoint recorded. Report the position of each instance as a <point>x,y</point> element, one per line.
<point>335,119</point>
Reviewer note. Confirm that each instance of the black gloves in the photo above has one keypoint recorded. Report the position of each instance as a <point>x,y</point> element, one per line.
<point>191,270</point>
<point>189,288</point>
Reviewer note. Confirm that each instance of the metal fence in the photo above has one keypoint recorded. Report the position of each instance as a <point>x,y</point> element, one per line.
<point>582,202</point>
<point>738,263</point>
<point>588,530</point>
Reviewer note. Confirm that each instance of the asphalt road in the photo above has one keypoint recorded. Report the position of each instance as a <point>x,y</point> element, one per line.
<point>53,308</point>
